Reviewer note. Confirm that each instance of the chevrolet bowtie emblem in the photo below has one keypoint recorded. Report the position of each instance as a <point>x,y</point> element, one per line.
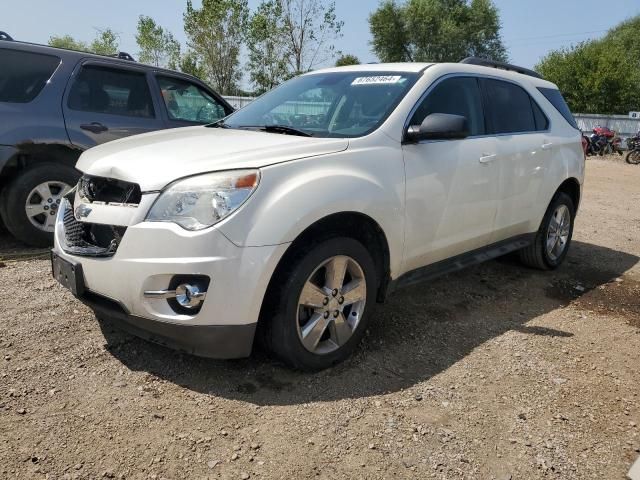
<point>82,212</point>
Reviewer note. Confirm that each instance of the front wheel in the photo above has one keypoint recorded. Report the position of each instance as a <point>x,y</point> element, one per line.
<point>553,239</point>
<point>321,304</point>
<point>633,157</point>
<point>31,201</point>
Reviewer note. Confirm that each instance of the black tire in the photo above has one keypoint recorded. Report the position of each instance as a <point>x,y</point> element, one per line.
<point>633,157</point>
<point>536,254</point>
<point>280,334</point>
<point>14,197</point>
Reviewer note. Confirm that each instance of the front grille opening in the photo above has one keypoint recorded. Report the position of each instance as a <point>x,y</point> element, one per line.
<point>109,190</point>
<point>90,239</point>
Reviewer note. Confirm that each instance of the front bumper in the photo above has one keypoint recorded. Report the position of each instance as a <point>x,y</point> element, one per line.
<point>211,341</point>
<point>149,256</point>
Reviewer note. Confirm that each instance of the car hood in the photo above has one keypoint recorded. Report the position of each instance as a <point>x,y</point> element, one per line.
<point>156,159</point>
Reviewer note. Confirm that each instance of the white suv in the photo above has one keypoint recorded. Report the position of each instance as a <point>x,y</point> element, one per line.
<point>300,211</point>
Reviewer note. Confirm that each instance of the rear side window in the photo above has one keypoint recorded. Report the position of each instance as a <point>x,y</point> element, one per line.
<point>455,96</point>
<point>509,108</point>
<point>23,75</point>
<point>542,122</point>
<point>111,91</point>
<point>555,97</point>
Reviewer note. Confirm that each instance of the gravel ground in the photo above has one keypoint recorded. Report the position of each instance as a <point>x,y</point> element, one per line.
<point>497,372</point>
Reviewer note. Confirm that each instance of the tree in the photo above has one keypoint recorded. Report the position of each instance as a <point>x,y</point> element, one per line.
<point>436,31</point>
<point>189,65</point>
<point>267,45</point>
<point>157,46</point>
<point>311,27</point>
<point>215,33</point>
<point>68,42</point>
<point>346,60</point>
<point>106,43</point>
<point>599,76</point>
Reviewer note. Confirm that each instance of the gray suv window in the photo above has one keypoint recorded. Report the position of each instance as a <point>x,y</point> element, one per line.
<point>23,75</point>
<point>188,102</point>
<point>455,96</point>
<point>108,90</point>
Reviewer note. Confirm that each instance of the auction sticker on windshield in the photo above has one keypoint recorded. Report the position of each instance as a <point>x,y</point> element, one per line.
<point>377,80</point>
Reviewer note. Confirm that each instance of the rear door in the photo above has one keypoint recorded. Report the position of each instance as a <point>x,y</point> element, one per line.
<point>186,103</point>
<point>523,153</point>
<point>105,101</point>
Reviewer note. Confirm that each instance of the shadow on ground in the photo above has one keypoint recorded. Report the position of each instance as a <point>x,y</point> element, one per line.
<point>417,334</point>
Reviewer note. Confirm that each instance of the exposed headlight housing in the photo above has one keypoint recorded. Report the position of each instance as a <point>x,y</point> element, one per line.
<point>199,202</point>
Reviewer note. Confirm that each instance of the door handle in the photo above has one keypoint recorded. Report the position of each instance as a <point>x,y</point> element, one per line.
<point>547,146</point>
<point>488,158</point>
<point>94,127</point>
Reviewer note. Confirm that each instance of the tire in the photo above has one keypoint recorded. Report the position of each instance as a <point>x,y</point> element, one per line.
<point>538,255</point>
<point>35,230</point>
<point>633,157</point>
<point>286,319</point>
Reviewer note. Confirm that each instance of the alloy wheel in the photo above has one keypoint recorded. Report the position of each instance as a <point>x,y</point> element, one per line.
<point>43,202</point>
<point>558,232</point>
<point>331,305</point>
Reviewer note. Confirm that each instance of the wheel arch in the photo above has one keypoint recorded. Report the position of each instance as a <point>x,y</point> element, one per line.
<point>571,186</point>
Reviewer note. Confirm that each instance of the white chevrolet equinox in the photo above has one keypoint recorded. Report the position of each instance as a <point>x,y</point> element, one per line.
<point>290,218</point>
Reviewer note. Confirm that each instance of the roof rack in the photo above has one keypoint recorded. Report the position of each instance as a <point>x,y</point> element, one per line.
<point>5,36</point>
<point>124,56</point>
<point>501,65</point>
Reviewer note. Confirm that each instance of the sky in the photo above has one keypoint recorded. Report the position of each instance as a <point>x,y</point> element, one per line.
<point>530,28</point>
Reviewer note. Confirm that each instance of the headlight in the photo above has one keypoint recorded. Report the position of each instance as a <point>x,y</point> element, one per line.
<point>199,202</point>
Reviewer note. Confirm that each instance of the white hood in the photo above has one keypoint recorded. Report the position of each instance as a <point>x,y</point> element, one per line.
<point>156,159</point>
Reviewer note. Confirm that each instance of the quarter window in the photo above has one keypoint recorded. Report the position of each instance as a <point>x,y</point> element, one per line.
<point>24,74</point>
<point>111,91</point>
<point>188,102</point>
<point>509,108</point>
<point>455,96</point>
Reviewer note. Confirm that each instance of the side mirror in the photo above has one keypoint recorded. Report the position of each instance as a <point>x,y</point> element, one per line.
<point>439,126</point>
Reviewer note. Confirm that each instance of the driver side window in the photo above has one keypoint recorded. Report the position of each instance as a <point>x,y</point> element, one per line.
<point>455,96</point>
<point>187,102</point>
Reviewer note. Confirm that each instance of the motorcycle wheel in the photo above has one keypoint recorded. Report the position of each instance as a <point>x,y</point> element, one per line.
<point>633,157</point>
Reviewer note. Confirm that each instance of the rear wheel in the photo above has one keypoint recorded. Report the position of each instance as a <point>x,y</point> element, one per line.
<point>633,157</point>
<point>31,201</point>
<point>553,239</point>
<point>321,304</point>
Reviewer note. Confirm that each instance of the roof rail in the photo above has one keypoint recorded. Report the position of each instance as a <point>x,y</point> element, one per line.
<point>501,65</point>
<point>124,56</point>
<point>5,36</point>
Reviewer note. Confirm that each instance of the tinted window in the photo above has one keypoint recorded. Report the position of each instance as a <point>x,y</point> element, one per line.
<point>542,122</point>
<point>111,91</point>
<point>555,97</point>
<point>23,75</point>
<point>337,104</point>
<point>455,96</point>
<point>509,108</point>
<point>188,102</point>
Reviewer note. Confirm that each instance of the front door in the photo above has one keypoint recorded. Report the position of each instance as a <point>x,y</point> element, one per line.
<point>451,186</point>
<point>105,102</point>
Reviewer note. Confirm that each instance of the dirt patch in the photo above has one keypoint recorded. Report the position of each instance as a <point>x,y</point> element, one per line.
<point>493,373</point>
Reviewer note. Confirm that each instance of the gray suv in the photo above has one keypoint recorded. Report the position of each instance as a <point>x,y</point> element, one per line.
<point>55,103</point>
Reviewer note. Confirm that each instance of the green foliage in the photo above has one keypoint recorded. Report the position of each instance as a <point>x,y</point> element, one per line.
<point>106,43</point>
<point>189,65</point>
<point>599,76</point>
<point>268,48</point>
<point>68,42</point>
<point>346,60</point>
<point>157,46</point>
<point>436,31</point>
<point>215,34</point>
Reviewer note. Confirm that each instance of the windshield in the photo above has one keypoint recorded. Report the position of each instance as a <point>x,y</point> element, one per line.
<point>339,105</point>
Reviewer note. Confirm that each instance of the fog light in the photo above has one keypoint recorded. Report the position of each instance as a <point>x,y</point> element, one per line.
<point>189,296</point>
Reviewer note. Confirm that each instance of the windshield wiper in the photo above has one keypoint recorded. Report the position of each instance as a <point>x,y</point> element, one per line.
<point>286,130</point>
<point>218,124</point>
